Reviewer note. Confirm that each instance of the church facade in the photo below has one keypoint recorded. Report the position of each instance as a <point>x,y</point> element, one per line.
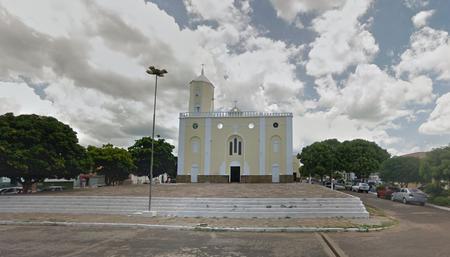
<point>233,146</point>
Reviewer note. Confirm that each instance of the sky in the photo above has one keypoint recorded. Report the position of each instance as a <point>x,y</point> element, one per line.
<point>372,69</point>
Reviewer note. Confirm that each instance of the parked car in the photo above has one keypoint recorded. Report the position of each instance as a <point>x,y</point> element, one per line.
<point>336,186</point>
<point>339,186</point>
<point>386,191</point>
<point>348,185</point>
<point>361,187</point>
<point>407,195</point>
<point>11,190</point>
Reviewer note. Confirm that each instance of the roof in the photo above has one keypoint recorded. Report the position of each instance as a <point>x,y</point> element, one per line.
<point>419,155</point>
<point>202,78</point>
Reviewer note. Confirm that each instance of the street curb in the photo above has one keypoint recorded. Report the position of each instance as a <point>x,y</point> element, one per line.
<point>191,228</point>
<point>438,207</point>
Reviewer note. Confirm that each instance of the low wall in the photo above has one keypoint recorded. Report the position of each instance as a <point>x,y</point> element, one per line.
<point>244,179</point>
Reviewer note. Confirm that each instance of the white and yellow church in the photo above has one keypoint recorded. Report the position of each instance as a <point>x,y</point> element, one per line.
<point>233,146</point>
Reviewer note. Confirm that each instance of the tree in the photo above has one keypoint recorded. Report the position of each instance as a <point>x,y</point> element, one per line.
<point>320,158</point>
<point>403,170</point>
<point>361,157</point>
<point>34,147</point>
<point>164,160</point>
<point>436,165</point>
<point>114,163</point>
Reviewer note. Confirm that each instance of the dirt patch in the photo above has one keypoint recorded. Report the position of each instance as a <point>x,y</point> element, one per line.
<point>294,190</point>
<point>212,222</point>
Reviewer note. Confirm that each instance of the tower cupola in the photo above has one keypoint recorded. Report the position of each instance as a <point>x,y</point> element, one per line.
<point>201,94</point>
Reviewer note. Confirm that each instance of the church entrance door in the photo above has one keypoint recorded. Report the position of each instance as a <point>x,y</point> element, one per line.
<point>235,174</point>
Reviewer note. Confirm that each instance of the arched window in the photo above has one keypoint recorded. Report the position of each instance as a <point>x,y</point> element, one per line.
<point>276,141</point>
<point>195,145</point>
<point>235,146</point>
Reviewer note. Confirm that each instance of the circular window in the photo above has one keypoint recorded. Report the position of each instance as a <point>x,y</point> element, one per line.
<point>220,126</point>
<point>275,124</point>
<point>251,125</point>
<point>195,126</point>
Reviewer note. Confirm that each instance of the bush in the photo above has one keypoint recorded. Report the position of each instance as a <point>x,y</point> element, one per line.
<point>434,189</point>
<point>381,187</point>
<point>441,200</point>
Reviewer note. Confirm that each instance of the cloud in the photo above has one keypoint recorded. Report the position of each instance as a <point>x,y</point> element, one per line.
<point>92,62</point>
<point>428,53</point>
<point>414,4</point>
<point>372,96</point>
<point>289,9</point>
<point>438,123</point>
<point>322,126</point>
<point>21,99</point>
<point>343,40</point>
<point>420,19</point>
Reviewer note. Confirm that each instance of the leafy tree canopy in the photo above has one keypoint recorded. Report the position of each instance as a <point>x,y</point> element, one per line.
<point>320,158</point>
<point>436,164</point>
<point>359,156</point>
<point>164,160</point>
<point>403,170</point>
<point>113,162</point>
<point>34,147</point>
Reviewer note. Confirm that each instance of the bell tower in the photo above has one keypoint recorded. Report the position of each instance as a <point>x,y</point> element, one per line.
<point>201,94</point>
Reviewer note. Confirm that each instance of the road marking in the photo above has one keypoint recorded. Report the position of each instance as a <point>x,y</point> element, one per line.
<point>331,248</point>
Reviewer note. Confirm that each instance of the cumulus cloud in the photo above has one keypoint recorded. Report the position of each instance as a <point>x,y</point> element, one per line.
<point>92,56</point>
<point>323,126</point>
<point>370,94</point>
<point>289,9</point>
<point>343,40</point>
<point>420,19</point>
<point>414,4</point>
<point>428,53</point>
<point>439,121</point>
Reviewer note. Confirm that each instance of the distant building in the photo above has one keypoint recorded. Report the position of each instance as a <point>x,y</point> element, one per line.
<point>419,155</point>
<point>233,146</point>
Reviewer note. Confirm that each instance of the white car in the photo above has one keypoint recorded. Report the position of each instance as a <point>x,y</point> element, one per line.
<point>10,190</point>
<point>361,187</point>
<point>407,195</point>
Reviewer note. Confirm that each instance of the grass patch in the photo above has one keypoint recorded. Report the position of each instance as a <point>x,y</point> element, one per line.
<point>375,211</point>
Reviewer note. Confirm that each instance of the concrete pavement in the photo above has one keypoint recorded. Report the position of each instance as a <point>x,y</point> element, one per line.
<point>37,241</point>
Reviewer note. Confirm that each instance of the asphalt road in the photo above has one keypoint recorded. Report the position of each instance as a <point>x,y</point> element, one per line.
<point>422,231</point>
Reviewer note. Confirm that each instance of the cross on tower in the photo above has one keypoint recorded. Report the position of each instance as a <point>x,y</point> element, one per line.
<point>203,66</point>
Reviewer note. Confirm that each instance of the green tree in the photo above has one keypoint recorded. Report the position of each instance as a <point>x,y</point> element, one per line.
<point>113,162</point>
<point>320,158</point>
<point>403,170</point>
<point>361,157</point>
<point>436,165</point>
<point>34,147</point>
<point>164,160</point>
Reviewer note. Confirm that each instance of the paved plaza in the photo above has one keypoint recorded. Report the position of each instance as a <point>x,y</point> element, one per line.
<point>294,190</point>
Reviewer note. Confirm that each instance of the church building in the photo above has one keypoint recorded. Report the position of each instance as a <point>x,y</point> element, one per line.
<point>233,146</point>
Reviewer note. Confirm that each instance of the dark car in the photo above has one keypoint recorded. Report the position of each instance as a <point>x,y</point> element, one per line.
<point>386,191</point>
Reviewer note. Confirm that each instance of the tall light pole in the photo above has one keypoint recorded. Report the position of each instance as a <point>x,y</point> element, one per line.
<point>158,73</point>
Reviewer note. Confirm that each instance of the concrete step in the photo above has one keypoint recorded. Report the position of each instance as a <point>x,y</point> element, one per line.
<point>190,207</point>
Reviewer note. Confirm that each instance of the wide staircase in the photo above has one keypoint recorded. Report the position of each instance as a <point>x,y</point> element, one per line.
<point>350,207</point>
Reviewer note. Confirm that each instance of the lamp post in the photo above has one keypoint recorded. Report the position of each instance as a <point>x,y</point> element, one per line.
<point>158,73</point>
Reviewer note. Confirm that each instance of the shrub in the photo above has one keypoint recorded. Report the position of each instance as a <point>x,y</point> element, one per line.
<point>441,200</point>
<point>381,187</point>
<point>433,189</point>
